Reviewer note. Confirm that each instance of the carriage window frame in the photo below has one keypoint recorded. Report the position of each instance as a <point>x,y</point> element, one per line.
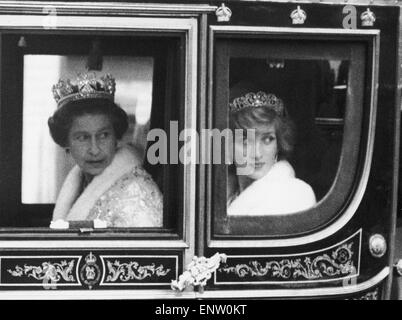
<point>318,225</point>
<point>185,29</point>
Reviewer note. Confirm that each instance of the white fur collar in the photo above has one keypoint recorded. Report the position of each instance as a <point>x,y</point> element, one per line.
<point>68,207</point>
<point>254,196</point>
<point>280,170</point>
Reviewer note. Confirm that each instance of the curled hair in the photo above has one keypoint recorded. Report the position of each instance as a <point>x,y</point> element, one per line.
<point>249,118</point>
<point>61,121</point>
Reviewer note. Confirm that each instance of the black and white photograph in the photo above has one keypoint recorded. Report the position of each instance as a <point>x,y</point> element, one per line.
<point>194,156</point>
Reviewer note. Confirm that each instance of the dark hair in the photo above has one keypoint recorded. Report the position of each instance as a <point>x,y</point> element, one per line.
<point>284,127</point>
<point>61,121</point>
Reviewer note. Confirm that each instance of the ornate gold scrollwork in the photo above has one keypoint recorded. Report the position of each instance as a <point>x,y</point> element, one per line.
<point>47,271</point>
<point>339,263</point>
<point>198,272</point>
<point>133,271</point>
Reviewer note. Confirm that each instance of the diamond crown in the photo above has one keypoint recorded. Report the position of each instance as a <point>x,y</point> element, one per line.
<point>255,100</point>
<point>86,87</point>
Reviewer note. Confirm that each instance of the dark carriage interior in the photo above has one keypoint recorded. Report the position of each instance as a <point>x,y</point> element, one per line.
<point>314,95</point>
<point>166,54</point>
<point>322,90</point>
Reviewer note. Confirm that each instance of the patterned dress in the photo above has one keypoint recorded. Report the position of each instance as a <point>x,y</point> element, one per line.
<point>123,195</point>
<point>133,201</point>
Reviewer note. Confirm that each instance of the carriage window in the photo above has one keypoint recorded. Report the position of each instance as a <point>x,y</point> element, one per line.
<point>76,113</point>
<point>295,114</point>
<point>46,165</point>
<point>295,110</point>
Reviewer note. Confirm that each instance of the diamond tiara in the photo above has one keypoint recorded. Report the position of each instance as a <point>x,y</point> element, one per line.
<point>86,87</point>
<point>255,100</point>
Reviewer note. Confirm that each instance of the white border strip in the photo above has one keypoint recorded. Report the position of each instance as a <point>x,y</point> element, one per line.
<point>137,294</point>
<point>93,244</point>
<point>107,7</point>
<point>36,22</point>
<point>190,115</point>
<point>287,30</point>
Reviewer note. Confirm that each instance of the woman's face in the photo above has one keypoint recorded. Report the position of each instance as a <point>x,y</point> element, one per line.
<point>92,142</point>
<point>258,152</point>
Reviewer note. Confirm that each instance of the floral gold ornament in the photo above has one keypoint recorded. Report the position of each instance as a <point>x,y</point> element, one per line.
<point>198,272</point>
<point>85,87</point>
<point>398,267</point>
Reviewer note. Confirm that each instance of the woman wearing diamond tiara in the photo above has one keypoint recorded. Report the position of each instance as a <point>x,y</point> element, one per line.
<point>107,183</point>
<point>264,182</point>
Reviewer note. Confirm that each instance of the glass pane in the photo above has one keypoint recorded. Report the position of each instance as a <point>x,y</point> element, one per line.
<point>44,164</point>
<point>96,170</point>
<point>294,111</point>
